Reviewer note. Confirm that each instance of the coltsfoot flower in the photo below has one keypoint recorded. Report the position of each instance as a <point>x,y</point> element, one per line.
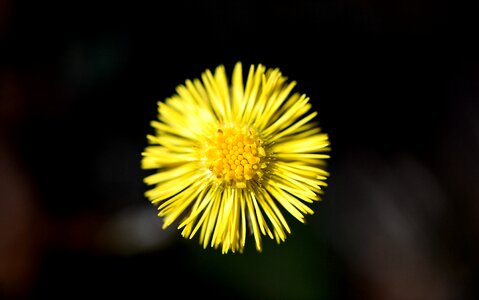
<point>231,159</point>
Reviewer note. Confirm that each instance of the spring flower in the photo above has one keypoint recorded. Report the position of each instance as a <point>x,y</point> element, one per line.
<point>231,159</point>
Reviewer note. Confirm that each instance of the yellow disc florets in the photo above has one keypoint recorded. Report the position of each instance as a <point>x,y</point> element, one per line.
<point>235,156</point>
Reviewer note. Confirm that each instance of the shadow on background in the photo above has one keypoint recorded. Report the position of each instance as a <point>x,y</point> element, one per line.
<point>396,88</point>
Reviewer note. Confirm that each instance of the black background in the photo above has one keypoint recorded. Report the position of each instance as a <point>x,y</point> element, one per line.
<point>396,87</point>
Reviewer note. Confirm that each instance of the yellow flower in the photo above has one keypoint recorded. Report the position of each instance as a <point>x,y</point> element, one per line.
<point>232,158</point>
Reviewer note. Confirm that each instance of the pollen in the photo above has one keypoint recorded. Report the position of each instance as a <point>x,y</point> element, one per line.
<point>235,156</point>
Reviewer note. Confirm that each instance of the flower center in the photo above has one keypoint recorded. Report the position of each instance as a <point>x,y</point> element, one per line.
<point>235,155</point>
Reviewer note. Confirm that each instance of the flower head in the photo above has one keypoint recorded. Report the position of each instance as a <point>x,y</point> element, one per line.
<point>232,158</point>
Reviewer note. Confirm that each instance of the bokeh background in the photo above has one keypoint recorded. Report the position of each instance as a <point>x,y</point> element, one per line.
<point>396,85</point>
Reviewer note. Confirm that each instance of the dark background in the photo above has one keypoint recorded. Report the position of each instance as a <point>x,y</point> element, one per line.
<point>395,84</point>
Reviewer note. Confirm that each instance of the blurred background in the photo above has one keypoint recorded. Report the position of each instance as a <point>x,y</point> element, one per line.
<point>396,85</point>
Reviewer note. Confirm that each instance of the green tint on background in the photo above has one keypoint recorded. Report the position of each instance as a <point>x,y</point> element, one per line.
<point>295,269</point>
